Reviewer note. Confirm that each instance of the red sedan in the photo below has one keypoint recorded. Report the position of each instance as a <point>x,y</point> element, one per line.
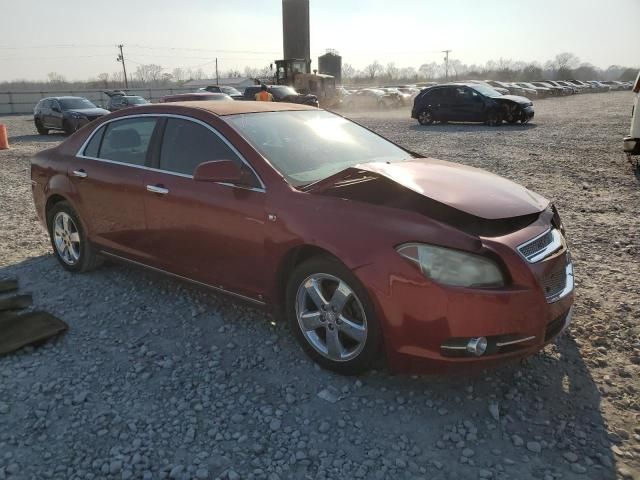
<point>370,250</point>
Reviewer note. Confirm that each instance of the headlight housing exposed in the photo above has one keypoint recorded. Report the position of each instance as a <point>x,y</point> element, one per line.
<point>453,267</point>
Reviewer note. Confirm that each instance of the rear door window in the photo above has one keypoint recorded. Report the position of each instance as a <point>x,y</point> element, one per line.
<point>186,144</point>
<point>93,147</point>
<point>128,140</point>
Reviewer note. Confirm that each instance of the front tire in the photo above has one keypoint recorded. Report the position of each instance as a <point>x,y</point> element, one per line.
<point>69,240</point>
<point>425,117</point>
<point>331,316</point>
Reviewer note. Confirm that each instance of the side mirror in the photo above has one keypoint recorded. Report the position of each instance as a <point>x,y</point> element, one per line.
<point>56,109</point>
<point>224,171</point>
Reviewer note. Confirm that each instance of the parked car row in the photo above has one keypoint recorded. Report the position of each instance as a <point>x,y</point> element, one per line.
<point>68,114</point>
<point>395,96</point>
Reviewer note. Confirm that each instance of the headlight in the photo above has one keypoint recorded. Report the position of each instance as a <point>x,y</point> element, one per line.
<point>453,267</point>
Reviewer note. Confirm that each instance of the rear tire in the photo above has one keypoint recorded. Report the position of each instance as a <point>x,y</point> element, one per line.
<point>331,316</point>
<point>69,240</point>
<point>41,130</point>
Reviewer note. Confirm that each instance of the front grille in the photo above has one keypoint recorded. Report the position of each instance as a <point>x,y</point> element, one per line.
<point>554,282</point>
<point>531,249</point>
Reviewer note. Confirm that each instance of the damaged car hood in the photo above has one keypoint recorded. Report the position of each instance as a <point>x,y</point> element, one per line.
<point>469,198</point>
<point>514,98</point>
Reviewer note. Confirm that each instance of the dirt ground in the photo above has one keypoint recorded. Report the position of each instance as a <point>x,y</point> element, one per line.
<point>157,379</point>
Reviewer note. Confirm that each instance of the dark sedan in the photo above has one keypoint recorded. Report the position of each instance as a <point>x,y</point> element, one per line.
<point>65,113</point>
<point>118,102</point>
<point>470,102</point>
<point>369,250</point>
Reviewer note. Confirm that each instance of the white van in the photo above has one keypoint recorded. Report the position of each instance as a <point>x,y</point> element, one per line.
<point>632,142</point>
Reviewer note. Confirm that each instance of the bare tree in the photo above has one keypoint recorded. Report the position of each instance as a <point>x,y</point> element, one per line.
<point>348,71</point>
<point>373,69</point>
<point>178,74</point>
<point>148,73</point>
<point>430,70</point>
<point>391,70</point>
<point>104,79</point>
<point>55,77</point>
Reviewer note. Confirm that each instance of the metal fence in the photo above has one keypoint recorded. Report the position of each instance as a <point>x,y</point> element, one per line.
<point>24,102</point>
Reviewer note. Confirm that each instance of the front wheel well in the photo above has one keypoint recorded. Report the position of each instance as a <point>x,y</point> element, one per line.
<point>51,201</point>
<point>291,260</point>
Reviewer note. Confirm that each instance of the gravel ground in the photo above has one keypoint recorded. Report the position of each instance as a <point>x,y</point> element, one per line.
<point>157,379</point>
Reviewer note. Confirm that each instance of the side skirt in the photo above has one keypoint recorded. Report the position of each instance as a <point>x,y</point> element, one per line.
<point>180,277</point>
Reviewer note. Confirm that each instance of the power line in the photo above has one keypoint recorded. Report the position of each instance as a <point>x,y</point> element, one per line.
<point>55,58</point>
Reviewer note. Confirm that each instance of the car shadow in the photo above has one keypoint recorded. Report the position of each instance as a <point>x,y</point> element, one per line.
<point>472,127</point>
<point>547,407</point>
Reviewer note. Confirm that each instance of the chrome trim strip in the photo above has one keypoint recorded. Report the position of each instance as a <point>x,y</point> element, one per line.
<point>568,288</point>
<point>80,151</point>
<point>452,347</point>
<point>557,242</point>
<point>513,342</point>
<point>190,280</point>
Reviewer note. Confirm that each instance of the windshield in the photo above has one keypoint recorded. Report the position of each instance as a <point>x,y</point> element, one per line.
<point>75,103</point>
<point>485,90</point>
<point>283,91</point>
<point>308,146</point>
<point>230,91</point>
<point>136,100</point>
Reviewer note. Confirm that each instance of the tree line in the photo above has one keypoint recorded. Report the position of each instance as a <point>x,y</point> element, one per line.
<point>563,66</point>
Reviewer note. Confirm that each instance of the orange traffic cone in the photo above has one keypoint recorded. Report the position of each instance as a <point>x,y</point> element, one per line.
<point>4,139</point>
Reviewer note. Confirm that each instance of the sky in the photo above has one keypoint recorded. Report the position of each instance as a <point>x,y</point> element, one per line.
<point>78,38</point>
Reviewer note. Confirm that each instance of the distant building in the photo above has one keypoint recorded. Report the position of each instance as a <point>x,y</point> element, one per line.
<point>331,64</point>
<point>237,82</point>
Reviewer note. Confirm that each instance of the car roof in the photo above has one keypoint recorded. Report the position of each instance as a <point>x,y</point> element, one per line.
<point>64,97</point>
<point>235,107</point>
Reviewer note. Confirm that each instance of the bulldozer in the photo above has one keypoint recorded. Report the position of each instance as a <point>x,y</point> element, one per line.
<point>296,73</point>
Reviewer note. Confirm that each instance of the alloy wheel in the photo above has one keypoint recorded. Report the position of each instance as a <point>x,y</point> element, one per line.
<point>66,238</point>
<point>425,117</point>
<point>331,317</point>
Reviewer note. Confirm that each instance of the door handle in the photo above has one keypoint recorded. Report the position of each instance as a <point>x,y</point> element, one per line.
<point>157,189</point>
<point>80,173</point>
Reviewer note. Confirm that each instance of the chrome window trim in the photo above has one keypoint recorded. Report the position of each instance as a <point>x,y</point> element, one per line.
<point>80,152</point>
<point>557,243</point>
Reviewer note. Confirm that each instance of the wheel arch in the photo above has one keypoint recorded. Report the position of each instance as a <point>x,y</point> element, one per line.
<point>290,260</point>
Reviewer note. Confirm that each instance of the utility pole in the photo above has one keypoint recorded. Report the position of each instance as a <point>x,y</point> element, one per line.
<point>446,64</point>
<point>124,68</point>
<point>216,70</point>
